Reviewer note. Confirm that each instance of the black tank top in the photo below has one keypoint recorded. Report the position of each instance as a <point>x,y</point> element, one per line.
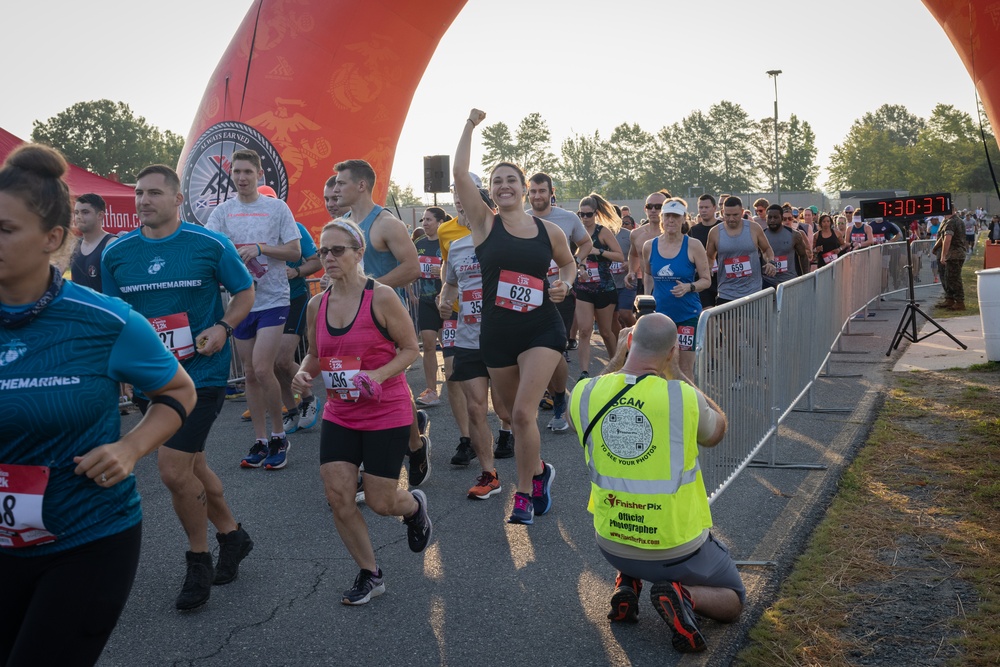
<point>825,246</point>
<point>502,251</point>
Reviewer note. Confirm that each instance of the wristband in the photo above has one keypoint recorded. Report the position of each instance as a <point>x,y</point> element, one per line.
<point>172,403</point>
<point>470,120</point>
<point>225,325</point>
<point>259,252</point>
<point>298,272</point>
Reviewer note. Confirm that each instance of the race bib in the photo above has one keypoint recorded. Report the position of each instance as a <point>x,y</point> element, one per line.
<point>829,256</point>
<point>879,238</point>
<point>858,238</point>
<point>617,268</point>
<point>715,266</point>
<point>427,265</point>
<point>685,338</point>
<point>338,375</point>
<point>22,492</point>
<point>448,330</point>
<point>471,307</point>
<point>738,267</point>
<point>175,334</point>
<point>590,273</point>
<point>553,268</point>
<point>519,292</point>
<point>782,264</point>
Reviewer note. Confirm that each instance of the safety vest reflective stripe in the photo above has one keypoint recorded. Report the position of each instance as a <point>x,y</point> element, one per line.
<point>678,475</point>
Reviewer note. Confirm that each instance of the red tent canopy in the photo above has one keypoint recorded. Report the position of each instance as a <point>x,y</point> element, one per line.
<point>119,217</point>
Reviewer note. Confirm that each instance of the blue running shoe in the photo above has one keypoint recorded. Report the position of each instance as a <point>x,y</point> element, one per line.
<point>277,453</point>
<point>524,510</point>
<point>256,456</point>
<point>541,489</point>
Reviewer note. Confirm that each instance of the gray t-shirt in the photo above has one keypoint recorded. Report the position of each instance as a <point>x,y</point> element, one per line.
<point>268,221</point>
<point>568,222</point>
<point>464,271</point>
<point>739,263</point>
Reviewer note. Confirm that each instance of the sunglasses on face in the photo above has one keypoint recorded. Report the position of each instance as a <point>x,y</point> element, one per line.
<point>657,207</point>
<point>335,250</point>
<point>787,219</point>
<point>585,214</point>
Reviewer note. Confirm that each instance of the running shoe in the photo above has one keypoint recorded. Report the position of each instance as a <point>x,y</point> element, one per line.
<point>428,398</point>
<point>487,484</point>
<point>541,489</point>
<point>572,344</point>
<point>309,414</point>
<point>464,453</point>
<point>674,606</point>
<point>359,495</point>
<point>256,456</point>
<point>558,425</point>
<point>233,548</point>
<point>524,510</point>
<point>367,585</point>
<point>277,453</point>
<point>505,446</point>
<point>197,582</point>
<point>290,420</point>
<point>420,463</point>
<point>583,376</point>
<point>235,391</point>
<point>419,528</point>
<point>546,402</point>
<point>625,600</point>
<point>423,422</point>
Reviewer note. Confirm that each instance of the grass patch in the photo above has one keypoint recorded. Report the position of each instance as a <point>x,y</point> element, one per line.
<point>914,529</point>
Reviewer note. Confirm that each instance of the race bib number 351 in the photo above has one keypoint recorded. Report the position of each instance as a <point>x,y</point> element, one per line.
<point>22,491</point>
<point>175,333</point>
<point>519,292</point>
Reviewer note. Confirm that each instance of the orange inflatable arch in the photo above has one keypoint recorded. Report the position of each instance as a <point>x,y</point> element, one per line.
<point>307,83</point>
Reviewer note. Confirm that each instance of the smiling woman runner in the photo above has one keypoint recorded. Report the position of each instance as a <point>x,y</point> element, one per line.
<point>522,332</point>
<point>363,341</point>
<point>69,510</point>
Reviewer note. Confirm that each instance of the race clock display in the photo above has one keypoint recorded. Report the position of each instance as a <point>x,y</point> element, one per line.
<point>914,206</point>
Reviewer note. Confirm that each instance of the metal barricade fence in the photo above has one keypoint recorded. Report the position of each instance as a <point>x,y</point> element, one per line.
<point>734,347</point>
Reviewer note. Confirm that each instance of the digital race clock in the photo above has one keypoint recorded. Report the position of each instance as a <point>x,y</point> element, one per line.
<point>915,206</point>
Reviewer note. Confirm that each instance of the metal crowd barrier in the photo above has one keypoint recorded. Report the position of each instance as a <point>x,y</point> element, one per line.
<point>759,357</point>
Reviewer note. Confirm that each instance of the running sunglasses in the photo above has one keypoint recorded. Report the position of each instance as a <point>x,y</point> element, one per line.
<point>654,206</point>
<point>335,250</point>
<point>584,214</point>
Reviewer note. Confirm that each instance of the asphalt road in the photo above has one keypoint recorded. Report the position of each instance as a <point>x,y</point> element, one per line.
<point>484,591</point>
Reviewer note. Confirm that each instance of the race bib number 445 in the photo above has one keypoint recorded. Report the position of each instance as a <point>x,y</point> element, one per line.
<point>175,334</point>
<point>22,491</point>
<point>519,292</point>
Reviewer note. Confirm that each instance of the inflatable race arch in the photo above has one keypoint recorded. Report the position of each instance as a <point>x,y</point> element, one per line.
<point>308,83</point>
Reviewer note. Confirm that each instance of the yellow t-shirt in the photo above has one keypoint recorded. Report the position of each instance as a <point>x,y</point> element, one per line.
<point>448,232</point>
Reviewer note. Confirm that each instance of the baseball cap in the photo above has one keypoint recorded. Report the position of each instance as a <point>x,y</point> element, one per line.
<point>848,209</point>
<point>674,207</point>
<point>795,212</point>
<point>267,191</point>
<point>814,209</point>
<point>475,179</point>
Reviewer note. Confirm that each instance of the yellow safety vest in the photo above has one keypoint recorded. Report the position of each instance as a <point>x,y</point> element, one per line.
<point>646,488</point>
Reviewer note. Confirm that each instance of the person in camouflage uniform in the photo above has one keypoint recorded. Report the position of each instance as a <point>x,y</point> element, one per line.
<point>953,247</point>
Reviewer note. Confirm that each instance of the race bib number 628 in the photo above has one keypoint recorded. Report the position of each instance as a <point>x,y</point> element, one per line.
<point>519,292</point>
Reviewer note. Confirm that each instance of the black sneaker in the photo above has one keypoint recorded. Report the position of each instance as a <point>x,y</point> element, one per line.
<point>625,600</point>
<point>418,527</point>
<point>423,422</point>
<point>572,344</point>
<point>367,585</point>
<point>420,463</point>
<point>505,446</point>
<point>233,548</point>
<point>674,606</point>
<point>464,454</point>
<point>197,582</point>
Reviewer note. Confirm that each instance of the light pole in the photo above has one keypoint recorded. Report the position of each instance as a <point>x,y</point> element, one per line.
<point>777,168</point>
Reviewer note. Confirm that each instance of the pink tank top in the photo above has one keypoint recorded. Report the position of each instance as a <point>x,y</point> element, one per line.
<point>361,346</point>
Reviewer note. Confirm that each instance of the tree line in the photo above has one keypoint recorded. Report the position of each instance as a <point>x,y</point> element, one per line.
<point>725,150</point>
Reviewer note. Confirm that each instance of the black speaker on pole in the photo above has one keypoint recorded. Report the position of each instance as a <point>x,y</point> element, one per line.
<point>437,173</point>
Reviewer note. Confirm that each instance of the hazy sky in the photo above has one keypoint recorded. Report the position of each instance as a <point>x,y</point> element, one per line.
<point>583,65</point>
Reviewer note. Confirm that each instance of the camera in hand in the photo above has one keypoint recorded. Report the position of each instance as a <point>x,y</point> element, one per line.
<point>644,304</point>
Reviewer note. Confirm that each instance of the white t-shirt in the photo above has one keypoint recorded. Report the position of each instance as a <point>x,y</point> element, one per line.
<point>268,221</point>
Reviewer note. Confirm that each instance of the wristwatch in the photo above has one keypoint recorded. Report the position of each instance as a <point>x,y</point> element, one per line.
<point>692,286</point>
<point>225,325</point>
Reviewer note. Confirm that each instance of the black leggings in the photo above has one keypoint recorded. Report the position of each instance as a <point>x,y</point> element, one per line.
<point>60,609</point>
